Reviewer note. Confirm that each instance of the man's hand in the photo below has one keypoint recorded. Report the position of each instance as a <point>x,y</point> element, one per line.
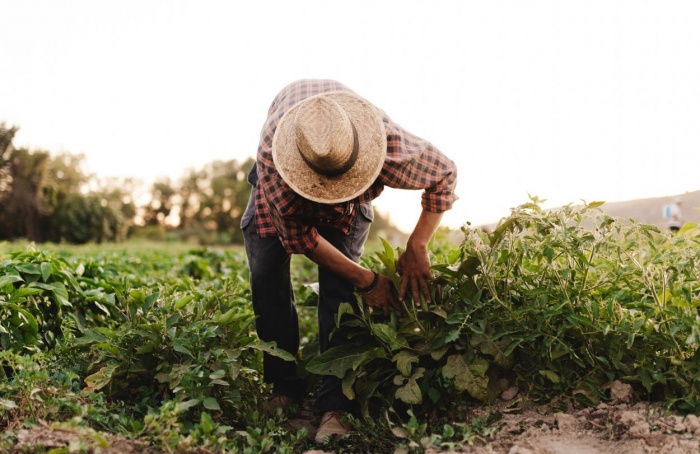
<point>414,264</point>
<point>382,296</point>
<point>414,268</point>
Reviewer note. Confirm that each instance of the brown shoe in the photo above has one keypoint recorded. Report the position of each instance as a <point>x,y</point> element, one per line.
<point>279,403</point>
<point>331,424</point>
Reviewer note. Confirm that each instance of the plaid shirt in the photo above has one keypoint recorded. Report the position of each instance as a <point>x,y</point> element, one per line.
<point>411,163</point>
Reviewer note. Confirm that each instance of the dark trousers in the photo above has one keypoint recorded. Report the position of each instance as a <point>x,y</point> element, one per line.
<point>273,304</point>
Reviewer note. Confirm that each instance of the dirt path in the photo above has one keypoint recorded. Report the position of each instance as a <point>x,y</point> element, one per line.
<point>606,429</point>
<point>621,428</point>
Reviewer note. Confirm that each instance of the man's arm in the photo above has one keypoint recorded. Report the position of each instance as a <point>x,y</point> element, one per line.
<point>327,256</point>
<point>414,264</point>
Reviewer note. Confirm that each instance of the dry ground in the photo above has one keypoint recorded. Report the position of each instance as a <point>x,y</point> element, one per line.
<point>619,427</point>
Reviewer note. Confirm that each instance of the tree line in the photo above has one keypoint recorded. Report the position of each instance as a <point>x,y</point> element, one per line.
<point>47,198</point>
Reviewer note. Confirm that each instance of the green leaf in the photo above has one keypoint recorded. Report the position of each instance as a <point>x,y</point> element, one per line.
<point>147,347</point>
<point>345,308</point>
<point>26,323</point>
<point>182,302</point>
<point>61,294</point>
<point>149,301</point>
<point>178,346</point>
<point>337,360</point>
<point>102,377</point>
<point>403,360</point>
<point>187,404</point>
<point>271,349</point>
<point>348,383</point>
<point>230,316</point>
<point>170,324</point>
<point>46,269</point>
<point>388,250</point>
<point>9,279</point>
<point>468,377</point>
<point>550,375</point>
<point>389,336</point>
<point>218,374</point>
<point>25,291</point>
<point>90,337</point>
<point>57,288</point>
<point>211,404</point>
<point>410,392</point>
<point>496,349</point>
<point>28,268</point>
<point>206,422</point>
<point>470,266</point>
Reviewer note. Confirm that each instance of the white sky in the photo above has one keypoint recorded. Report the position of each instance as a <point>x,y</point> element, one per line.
<point>566,100</point>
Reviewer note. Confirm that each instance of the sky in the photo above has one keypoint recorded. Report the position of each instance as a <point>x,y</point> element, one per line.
<point>568,101</point>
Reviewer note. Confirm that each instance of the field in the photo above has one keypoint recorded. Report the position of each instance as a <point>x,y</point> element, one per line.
<point>560,331</point>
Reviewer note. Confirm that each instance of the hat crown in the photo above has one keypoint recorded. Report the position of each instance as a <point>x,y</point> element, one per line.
<point>324,135</point>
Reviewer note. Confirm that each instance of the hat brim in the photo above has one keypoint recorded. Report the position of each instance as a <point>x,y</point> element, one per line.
<point>348,185</point>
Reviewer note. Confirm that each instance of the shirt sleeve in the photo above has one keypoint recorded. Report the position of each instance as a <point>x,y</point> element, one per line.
<point>415,163</point>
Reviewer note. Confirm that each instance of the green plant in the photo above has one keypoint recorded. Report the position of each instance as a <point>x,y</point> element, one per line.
<point>37,292</point>
<point>33,389</point>
<point>195,345</point>
<point>566,301</point>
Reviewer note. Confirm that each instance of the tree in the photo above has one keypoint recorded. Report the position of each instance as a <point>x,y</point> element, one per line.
<point>227,200</point>
<point>104,214</point>
<point>48,199</point>
<point>161,204</point>
<point>213,199</point>
<point>6,136</point>
<point>24,209</point>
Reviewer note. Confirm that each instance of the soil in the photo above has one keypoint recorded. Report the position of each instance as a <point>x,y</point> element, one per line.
<point>618,427</point>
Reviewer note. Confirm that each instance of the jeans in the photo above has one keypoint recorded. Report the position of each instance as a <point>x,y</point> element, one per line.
<point>275,310</point>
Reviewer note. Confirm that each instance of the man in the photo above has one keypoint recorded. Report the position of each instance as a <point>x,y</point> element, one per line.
<point>324,154</point>
<point>675,218</point>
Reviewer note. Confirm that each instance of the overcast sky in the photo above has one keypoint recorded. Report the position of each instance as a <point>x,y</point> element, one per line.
<point>566,100</point>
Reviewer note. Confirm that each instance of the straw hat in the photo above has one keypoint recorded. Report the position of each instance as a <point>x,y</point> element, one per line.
<point>330,148</point>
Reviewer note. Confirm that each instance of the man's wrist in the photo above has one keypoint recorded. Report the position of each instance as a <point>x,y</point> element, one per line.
<point>371,286</point>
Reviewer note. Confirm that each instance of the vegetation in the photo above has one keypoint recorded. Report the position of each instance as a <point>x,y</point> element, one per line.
<point>45,198</point>
<point>158,345</point>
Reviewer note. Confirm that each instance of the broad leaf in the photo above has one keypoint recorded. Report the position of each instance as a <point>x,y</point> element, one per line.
<point>497,349</point>
<point>211,403</point>
<point>46,270</point>
<point>337,360</point>
<point>468,377</point>
<point>389,336</point>
<point>403,361</point>
<point>102,377</point>
<point>271,349</point>
<point>9,279</point>
<point>410,392</point>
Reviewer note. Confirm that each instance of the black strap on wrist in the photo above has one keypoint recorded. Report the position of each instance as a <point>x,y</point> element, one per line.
<point>371,286</point>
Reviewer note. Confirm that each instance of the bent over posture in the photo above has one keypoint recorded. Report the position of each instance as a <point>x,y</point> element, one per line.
<point>324,154</point>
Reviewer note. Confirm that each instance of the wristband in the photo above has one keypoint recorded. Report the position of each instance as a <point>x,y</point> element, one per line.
<point>371,286</point>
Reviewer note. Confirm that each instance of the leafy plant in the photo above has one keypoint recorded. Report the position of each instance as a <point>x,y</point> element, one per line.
<point>566,301</point>
<point>195,345</point>
<point>433,358</point>
<point>37,293</point>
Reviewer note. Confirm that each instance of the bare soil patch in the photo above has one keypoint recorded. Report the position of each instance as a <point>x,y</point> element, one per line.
<point>619,427</point>
<point>605,429</point>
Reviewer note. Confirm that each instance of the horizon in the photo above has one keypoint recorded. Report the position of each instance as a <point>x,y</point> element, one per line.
<point>565,101</point>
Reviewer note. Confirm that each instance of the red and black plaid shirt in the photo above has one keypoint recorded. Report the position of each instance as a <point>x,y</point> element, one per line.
<point>411,163</point>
